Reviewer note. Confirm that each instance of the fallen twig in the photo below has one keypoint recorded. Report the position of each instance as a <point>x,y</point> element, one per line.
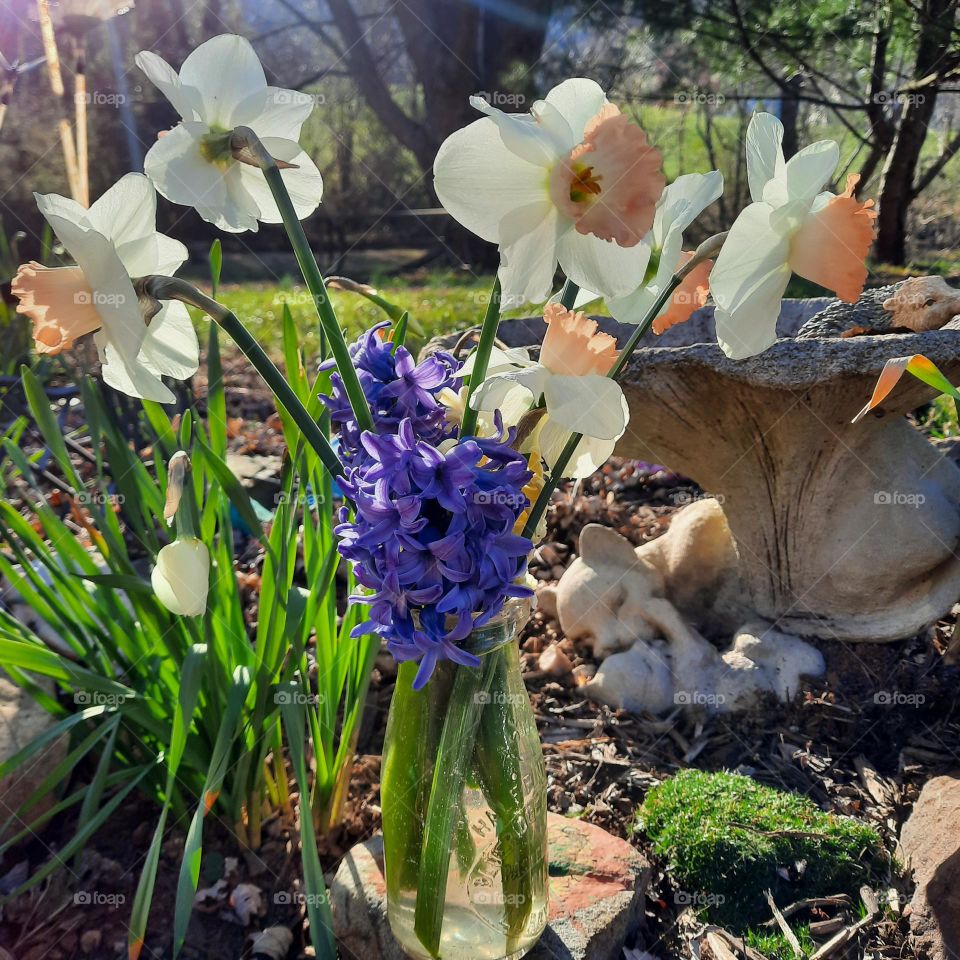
<point>838,900</point>
<point>784,926</point>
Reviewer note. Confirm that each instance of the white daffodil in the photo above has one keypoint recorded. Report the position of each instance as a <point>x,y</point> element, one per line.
<point>114,240</point>
<point>681,203</point>
<point>570,377</point>
<point>793,225</point>
<point>573,181</point>
<point>513,404</point>
<point>221,86</point>
<point>181,577</point>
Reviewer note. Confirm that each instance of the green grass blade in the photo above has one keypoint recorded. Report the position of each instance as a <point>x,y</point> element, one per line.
<point>216,266</point>
<point>191,677</point>
<point>234,490</point>
<point>94,792</point>
<point>58,773</point>
<point>47,425</point>
<point>216,396</point>
<point>318,905</point>
<point>193,846</point>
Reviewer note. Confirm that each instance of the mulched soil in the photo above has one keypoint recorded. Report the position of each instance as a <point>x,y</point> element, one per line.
<point>838,742</point>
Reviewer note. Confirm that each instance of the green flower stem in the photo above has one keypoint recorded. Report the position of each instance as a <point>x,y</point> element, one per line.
<point>539,508</point>
<point>188,519</point>
<point>173,288</point>
<point>401,784</point>
<point>568,295</point>
<point>498,760</point>
<point>453,756</point>
<point>488,333</point>
<point>407,771</point>
<point>244,142</point>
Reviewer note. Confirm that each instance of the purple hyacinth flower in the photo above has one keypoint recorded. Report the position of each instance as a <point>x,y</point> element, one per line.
<point>432,536</point>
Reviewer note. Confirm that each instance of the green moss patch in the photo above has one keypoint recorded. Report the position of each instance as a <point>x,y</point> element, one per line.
<point>727,839</point>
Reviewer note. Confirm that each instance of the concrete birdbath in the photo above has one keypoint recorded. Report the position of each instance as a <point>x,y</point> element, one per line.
<point>841,530</point>
<point>820,528</point>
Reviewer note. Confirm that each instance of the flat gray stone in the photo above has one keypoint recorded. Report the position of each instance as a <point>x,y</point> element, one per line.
<point>259,474</point>
<point>22,720</point>
<point>789,364</point>
<point>597,889</point>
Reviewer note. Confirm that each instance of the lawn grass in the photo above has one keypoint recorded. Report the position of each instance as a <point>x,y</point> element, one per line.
<point>727,839</point>
<point>438,303</point>
<point>775,946</point>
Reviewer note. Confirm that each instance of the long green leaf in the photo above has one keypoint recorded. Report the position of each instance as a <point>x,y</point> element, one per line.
<point>193,846</point>
<point>143,898</point>
<point>234,490</point>
<point>318,905</point>
<point>48,426</point>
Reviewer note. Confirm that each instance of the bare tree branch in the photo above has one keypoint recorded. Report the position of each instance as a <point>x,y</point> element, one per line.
<point>936,168</point>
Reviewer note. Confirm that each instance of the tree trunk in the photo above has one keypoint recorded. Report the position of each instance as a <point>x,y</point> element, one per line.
<point>897,182</point>
<point>790,115</point>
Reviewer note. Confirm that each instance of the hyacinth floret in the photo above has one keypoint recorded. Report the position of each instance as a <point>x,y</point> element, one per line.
<point>432,535</point>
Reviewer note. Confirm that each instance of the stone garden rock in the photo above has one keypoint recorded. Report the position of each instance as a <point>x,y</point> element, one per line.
<point>22,720</point>
<point>698,329</point>
<point>918,303</point>
<point>597,889</point>
<point>930,840</point>
<point>259,474</point>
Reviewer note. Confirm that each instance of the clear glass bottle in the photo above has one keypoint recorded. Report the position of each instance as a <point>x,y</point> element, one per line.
<point>463,793</point>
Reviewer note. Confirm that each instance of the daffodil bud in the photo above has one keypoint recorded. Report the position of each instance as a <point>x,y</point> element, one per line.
<point>176,474</point>
<point>181,577</point>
